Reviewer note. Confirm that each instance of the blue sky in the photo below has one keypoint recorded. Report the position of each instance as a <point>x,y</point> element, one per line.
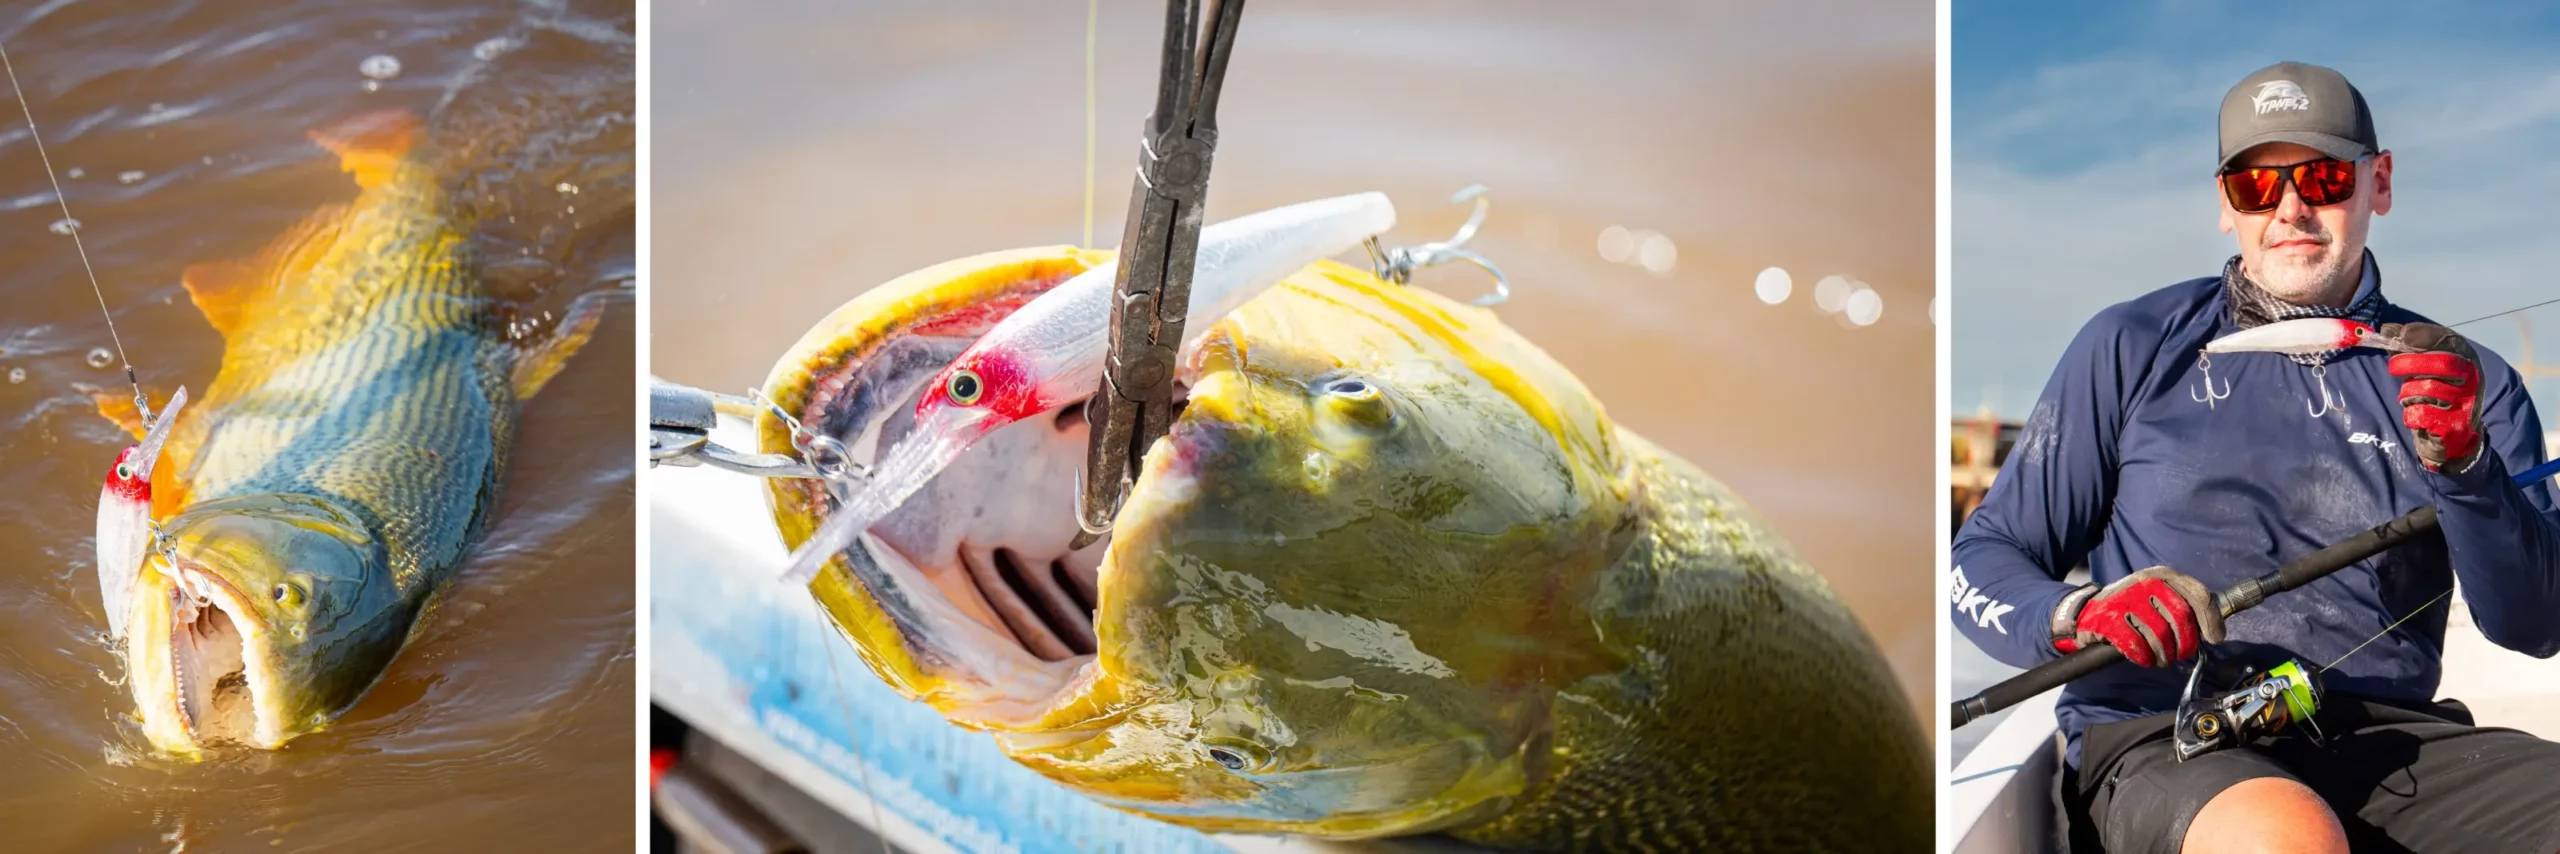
<point>2084,147</point>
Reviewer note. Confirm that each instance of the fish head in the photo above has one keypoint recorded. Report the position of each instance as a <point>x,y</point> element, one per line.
<point>1348,579</point>
<point>920,595</point>
<point>262,618</point>
<point>1340,595</point>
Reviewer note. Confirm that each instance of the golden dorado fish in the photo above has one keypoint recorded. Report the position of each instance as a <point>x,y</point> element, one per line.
<point>1392,572</point>
<point>345,459</point>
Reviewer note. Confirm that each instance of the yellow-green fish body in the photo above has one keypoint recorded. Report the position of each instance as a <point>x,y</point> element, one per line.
<point>341,465</point>
<point>1392,572</point>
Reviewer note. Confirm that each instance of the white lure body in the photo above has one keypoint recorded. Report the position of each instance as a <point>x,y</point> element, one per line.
<point>124,516</point>
<point>2298,337</point>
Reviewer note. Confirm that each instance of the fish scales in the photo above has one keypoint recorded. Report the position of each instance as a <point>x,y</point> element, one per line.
<point>1677,753</point>
<point>343,462</point>
<point>382,387</point>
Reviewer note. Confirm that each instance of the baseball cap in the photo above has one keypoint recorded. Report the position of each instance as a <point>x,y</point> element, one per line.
<point>2298,103</point>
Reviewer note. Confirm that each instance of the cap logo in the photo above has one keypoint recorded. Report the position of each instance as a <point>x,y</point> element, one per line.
<point>2276,95</point>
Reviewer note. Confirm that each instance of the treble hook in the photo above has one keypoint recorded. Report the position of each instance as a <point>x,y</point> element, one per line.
<point>2320,374</point>
<point>1397,265</point>
<point>2204,364</point>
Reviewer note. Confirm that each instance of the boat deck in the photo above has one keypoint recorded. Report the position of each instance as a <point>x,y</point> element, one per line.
<point>2007,781</point>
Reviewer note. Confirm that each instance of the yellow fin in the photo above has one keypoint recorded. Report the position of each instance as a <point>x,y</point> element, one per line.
<point>227,291</point>
<point>536,364</point>
<point>168,493</point>
<point>370,145</point>
<point>118,407</point>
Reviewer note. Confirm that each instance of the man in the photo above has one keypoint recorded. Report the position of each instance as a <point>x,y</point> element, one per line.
<point>2172,476</point>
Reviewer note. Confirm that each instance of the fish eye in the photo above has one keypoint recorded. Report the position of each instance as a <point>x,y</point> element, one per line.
<point>124,472</point>
<point>1352,387</point>
<point>965,387</point>
<point>1238,756</point>
<point>288,594</point>
<point>1356,401</point>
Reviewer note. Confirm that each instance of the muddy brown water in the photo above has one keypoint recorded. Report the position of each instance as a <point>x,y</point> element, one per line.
<point>507,724</point>
<point>804,151</point>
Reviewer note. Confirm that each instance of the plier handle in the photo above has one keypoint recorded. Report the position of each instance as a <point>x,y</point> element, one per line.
<point>1152,291</point>
<point>680,422</point>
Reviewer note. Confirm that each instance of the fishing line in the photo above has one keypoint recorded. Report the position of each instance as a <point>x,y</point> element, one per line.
<point>2413,613</point>
<point>861,767</point>
<point>1092,14</point>
<point>141,404</point>
<point>2503,313</point>
<point>2530,476</point>
<point>2386,630</point>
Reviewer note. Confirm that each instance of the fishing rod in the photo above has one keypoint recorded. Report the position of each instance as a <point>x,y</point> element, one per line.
<point>2231,600</point>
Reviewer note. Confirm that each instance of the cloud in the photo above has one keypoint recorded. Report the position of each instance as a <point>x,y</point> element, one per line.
<point>2083,182</point>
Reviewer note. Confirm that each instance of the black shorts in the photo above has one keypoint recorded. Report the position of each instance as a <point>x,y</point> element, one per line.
<point>2398,780</point>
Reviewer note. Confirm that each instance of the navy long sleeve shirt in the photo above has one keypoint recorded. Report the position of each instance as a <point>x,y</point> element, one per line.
<point>2123,464</point>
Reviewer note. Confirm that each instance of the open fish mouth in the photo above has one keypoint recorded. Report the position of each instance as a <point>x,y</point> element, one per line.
<point>1020,577</point>
<point>214,641</point>
<point>975,570</point>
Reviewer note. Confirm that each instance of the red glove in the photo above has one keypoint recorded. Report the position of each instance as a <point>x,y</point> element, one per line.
<point>2439,394</point>
<point>2157,617</point>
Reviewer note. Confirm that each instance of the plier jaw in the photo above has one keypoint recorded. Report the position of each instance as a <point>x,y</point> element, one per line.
<point>1151,294</point>
<point>681,419</point>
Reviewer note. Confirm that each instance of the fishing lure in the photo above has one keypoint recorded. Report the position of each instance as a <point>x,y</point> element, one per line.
<point>2304,337</point>
<point>1050,352</point>
<point>2301,337</point>
<point>124,515</point>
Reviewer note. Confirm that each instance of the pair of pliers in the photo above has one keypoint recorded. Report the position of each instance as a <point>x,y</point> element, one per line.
<point>1152,290</point>
<point>681,419</point>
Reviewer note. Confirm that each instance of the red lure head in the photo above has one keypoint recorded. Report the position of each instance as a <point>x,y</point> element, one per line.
<point>123,481</point>
<point>2353,334</point>
<point>994,387</point>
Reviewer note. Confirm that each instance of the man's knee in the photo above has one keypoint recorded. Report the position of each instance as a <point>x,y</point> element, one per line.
<point>2265,814</point>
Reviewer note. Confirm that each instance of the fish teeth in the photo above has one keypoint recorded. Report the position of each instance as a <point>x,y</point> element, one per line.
<point>180,621</point>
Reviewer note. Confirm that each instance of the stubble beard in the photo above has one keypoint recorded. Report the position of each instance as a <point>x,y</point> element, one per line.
<point>2327,279</point>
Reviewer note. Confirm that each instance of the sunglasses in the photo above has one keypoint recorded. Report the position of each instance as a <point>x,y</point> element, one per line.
<point>2258,189</point>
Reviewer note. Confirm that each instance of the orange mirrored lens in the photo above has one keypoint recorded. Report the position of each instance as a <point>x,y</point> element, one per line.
<point>2324,182</point>
<point>2260,189</point>
<point>2253,190</point>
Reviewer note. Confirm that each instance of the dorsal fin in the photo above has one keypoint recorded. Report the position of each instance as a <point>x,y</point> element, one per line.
<point>229,291</point>
<point>370,145</point>
<point>118,407</point>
